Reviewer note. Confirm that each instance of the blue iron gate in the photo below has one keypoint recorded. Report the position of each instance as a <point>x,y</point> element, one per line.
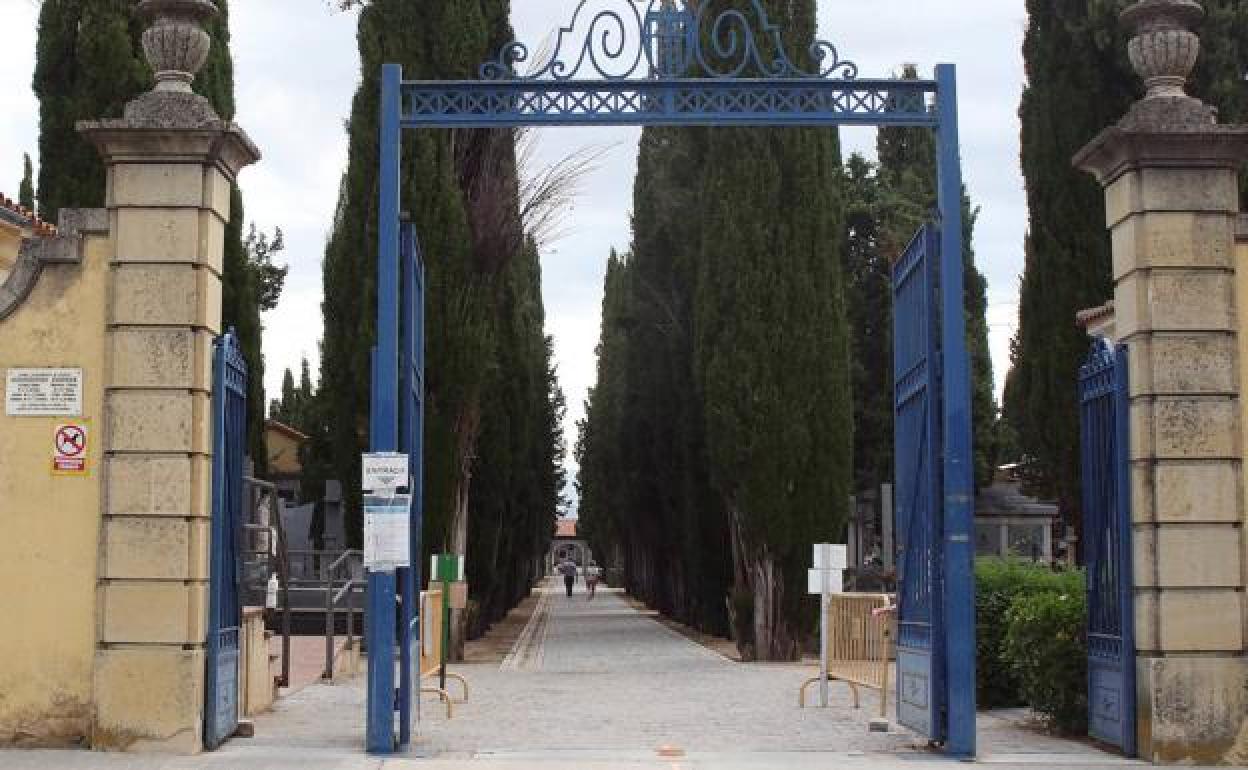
<point>658,62</point>
<point>229,426</point>
<point>917,430</point>
<point>411,443</point>
<point>936,593</point>
<point>397,425</point>
<point>1107,546</point>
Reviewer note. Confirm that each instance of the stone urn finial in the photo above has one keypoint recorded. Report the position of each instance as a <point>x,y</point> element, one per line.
<point>175,41</point>
<point>1164,45</point>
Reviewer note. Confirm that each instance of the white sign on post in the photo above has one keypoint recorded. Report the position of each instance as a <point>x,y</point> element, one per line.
<point>827,576</point>
<point>825,579</point>
<point>43,393</point>
<point>387,532</point>
<point>387,514</point>
<point>384,470</point>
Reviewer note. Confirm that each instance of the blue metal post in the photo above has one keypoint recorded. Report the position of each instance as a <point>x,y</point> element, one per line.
<point>384,418</point>
<point>959,582</point>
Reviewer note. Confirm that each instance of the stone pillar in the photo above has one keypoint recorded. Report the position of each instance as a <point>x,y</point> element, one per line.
<point>171,164</point>
<point>1171,183</point>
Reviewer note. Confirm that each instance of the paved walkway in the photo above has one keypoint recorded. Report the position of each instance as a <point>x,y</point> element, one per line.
<point>598,684</point>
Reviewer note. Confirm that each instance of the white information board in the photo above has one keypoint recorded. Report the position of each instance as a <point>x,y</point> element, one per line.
<point>43,393</point>
<point>387,532</point>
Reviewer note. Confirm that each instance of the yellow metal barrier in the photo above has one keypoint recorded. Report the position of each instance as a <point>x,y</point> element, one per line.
<point>859,645</point>
<point>431,649</point>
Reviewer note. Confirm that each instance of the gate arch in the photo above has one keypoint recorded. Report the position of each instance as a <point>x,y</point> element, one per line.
<point>652,63</point>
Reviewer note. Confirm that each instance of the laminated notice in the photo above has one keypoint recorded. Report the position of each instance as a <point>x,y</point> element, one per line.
<point>387,532</point>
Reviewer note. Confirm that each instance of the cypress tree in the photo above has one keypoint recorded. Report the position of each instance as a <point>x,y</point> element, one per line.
<point>1078,83</point>
<point>604,480</point>
<point>26,190</point>
<point>772,354</point>
<point>88,65</point>
<point>516,475</point>
<point>492,438</point>
<point>285,410</point>
<point>240,278</point>
<point>869,302</point>
<point>908,198</point>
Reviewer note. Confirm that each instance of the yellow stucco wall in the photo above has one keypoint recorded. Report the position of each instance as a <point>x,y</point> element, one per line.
<point>283,451</point>
<point>10,242</point>
<point>49,526</point>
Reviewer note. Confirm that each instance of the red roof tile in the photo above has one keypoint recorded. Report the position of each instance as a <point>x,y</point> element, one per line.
<point>37,225</point>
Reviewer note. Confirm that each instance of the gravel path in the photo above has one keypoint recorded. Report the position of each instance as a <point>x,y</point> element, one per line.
<point>599,675</point>
<point>591,680</point>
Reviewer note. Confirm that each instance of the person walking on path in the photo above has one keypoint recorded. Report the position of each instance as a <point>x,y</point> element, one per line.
<point>567,568</point>
<point>593,573</point>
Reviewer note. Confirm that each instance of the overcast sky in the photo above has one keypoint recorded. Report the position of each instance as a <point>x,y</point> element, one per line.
<point>296,68</point>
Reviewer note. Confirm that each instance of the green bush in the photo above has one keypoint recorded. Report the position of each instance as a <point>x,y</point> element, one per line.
<point>998,583</point>
<point>1046,648</point>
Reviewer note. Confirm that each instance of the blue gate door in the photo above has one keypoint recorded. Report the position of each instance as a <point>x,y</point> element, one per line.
<point>411,443</point>
<point>1107,543</point>
<point>921,702</point>
<point>229,420</point>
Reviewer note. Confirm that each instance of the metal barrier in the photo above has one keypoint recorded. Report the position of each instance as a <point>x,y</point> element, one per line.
<point>859,645</point>
<point>431,650</point>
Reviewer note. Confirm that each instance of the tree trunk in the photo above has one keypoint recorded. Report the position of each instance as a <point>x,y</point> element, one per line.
<point>741,601</point>
<point>467,430</point>
<point>773,638</point>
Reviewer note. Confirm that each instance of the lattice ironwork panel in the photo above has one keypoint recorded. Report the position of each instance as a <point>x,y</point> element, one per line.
<point>475,104</point>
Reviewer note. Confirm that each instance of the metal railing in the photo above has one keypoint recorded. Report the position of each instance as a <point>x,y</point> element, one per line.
<point>349,583</point>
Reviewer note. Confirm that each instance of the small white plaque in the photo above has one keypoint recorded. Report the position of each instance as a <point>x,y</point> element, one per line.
<point>820,580</point>
<point>43,393</point>
<point>829,556</point>
<point>384,471</point>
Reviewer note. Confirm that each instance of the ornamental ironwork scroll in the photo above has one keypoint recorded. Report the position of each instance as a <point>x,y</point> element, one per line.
<point>625,39</point>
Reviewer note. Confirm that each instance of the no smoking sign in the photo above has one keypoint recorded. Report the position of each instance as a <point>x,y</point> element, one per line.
<point>70,444</point>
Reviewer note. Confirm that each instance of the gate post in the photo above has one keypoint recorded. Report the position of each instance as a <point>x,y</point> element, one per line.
<point>1170,174</point>
<point>171,162</point>
<point>959,472</point>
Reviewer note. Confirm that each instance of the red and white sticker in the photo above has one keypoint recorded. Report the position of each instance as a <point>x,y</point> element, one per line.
<point>70,445</point>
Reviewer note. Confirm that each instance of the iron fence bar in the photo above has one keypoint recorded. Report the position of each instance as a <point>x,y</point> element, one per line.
<point>329,626</point>
<point>351,616</point>
<point>332,599</point>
